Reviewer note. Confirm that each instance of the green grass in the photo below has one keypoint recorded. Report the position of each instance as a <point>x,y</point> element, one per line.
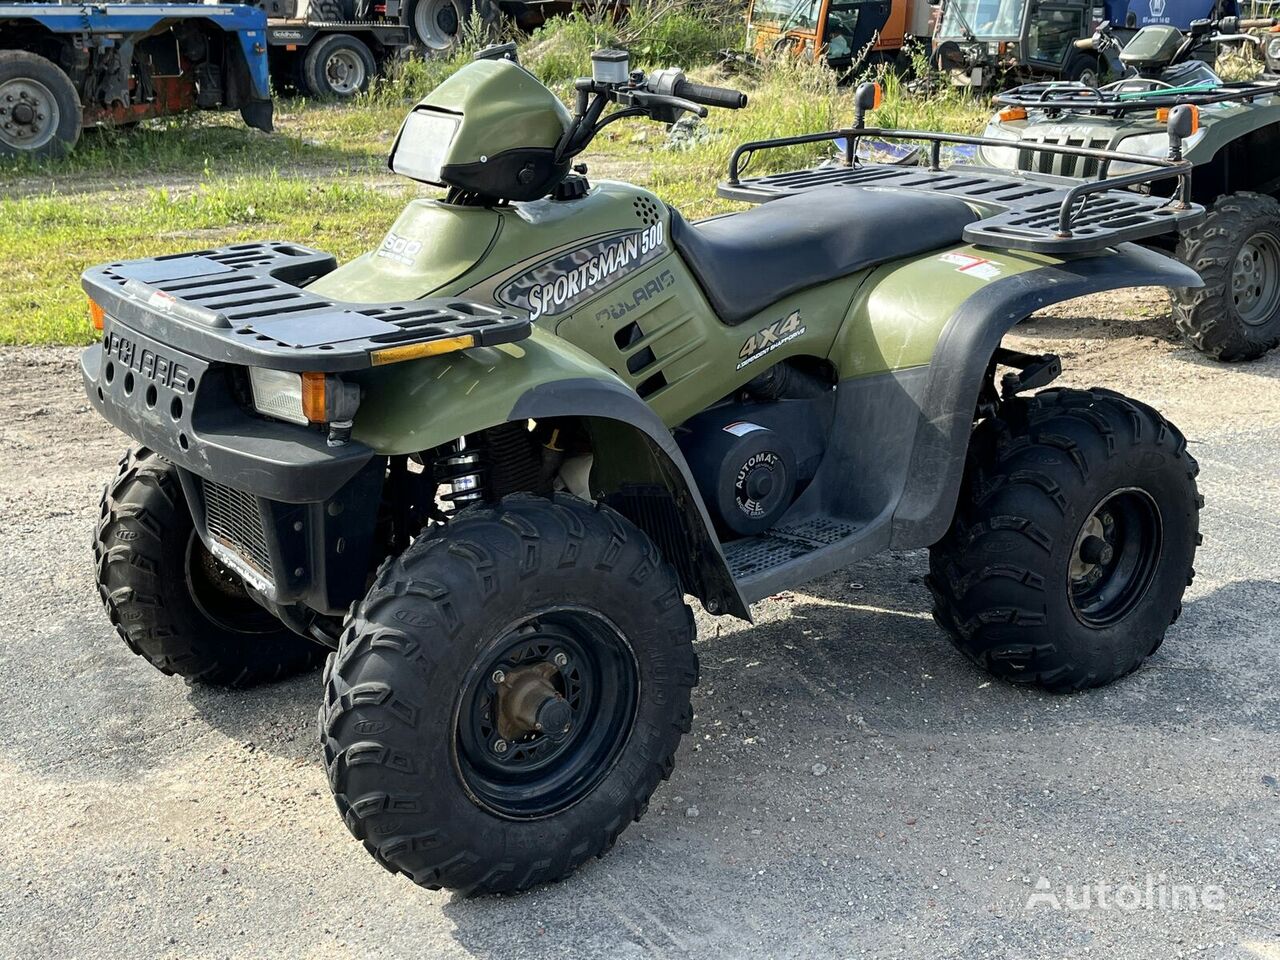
<point>321,179</point>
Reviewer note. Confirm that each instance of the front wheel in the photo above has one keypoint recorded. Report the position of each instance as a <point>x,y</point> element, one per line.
<point>507,696</point>
<point>170,600</point>
<point>1236,250</point>
<point>1073,540</point>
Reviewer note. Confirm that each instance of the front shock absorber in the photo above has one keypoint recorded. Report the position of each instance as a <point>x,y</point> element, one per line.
<point>462,469</point>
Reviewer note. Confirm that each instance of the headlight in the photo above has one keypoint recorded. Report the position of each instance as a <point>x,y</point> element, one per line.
<point>1273,48</point>
<point>303,398</point>
<point>1148,145</point>
<point>1003,158</point>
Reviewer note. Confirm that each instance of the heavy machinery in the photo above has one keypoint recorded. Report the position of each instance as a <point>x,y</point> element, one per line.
<point>485,463</point>
<point>993,43</point>
<point>65,68</point>
<point>848,34</point>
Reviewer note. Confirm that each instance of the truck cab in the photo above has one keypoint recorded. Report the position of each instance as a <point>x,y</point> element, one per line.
<point>847,33</point>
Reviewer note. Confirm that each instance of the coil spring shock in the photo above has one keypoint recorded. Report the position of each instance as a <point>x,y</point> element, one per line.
<point>463,470</point>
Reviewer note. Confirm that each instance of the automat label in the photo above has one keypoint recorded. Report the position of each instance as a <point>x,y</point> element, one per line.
<point>560,284</point>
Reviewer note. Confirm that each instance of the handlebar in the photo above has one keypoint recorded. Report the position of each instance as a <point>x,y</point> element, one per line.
<point>1084,43</point>
<point>710,96</point>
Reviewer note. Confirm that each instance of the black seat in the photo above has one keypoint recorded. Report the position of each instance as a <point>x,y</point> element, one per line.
<point>746,261</point>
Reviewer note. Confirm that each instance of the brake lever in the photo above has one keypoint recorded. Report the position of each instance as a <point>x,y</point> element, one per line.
<point>647,101</point>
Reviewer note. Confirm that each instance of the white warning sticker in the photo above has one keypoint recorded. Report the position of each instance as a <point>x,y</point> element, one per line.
<point>972,266</point>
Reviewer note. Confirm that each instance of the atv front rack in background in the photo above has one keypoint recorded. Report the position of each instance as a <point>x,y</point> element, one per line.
<point>247,304</point>
<point>1051,215</point>
<point>1059,97</point>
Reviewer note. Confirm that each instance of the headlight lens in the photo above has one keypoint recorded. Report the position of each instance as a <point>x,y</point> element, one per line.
<point>1273,48</point>
<point>1149,145</point>
<point>1003,158</point>
<point>278,393</point>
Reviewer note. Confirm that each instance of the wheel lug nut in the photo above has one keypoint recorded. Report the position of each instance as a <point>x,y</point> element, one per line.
<point>499,677</point>
<point>560,660</point>
<point>499,746</point>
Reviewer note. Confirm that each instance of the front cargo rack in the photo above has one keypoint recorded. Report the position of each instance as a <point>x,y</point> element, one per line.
<point>248,304</point>
<point>1065,97</point>
<point>1028,211</point>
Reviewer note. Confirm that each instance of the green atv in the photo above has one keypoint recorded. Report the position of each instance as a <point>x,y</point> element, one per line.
<point>487,462</point>
<point>1235,314</point>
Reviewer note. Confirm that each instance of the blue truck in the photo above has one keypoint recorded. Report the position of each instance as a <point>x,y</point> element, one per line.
<point>64,68</point>
<point>983,43</point>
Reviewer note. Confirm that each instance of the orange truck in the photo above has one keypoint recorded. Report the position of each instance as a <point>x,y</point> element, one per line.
<point>848,33</point>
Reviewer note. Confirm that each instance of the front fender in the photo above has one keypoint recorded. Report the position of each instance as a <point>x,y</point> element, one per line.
<point>422,404</point>
<point>960,360</point>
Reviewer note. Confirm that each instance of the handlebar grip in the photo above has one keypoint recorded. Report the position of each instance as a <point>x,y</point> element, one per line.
<point>1084,43</point>
<point>1257,24</point>
<point>710,96</point>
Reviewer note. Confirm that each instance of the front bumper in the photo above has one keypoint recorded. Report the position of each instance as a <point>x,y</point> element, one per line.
<point>292,516</point>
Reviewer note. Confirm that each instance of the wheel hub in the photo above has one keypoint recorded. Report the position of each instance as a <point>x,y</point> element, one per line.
<point>28,113</point>
<point>1255,279</point>
<point>528,702</point>
<point>1114,558</point>
<point>545,712</point>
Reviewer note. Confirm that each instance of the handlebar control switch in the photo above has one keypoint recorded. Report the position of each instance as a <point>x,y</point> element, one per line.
<point>610,66</point>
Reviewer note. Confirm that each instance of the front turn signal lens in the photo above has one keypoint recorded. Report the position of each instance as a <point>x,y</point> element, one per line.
<point>1013,113</point>
<point>415,351</point>
<point>97,316</point>
<point>1162,116</point>
<point>313,397</point>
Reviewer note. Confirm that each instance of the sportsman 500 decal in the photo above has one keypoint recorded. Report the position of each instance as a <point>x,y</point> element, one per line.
<point>560,284</point>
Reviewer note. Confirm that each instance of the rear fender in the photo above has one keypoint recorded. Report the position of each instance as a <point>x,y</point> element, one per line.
<point>638,467</point>
<point>969,338</point>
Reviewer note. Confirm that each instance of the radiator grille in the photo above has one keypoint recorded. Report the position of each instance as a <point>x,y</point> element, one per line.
<point>234,520</point>
<point>1064,165</point>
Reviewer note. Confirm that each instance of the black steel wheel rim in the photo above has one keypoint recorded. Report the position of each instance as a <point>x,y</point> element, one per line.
<point>524,773</point>
<point>220,595</point>
<point>1114,558</point>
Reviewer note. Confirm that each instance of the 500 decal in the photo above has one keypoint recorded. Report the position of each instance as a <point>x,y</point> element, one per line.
<point>770,338</point>
<point>560,284</point>
<point>400,249</point>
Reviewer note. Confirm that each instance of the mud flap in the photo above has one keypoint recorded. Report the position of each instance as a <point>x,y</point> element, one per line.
<point>258,114</point>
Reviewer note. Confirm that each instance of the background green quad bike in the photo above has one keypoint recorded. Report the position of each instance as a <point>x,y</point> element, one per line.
<point>1235,315</point>
<point>557,409</point>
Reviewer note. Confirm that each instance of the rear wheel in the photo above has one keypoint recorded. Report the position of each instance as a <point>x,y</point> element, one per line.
<point>170,600</point>
<point>1072,542</point>
<point>40,113</point>
<point>508,695</point>
<point>1236,251</point>
<point>338,68</point>
<point>1083,69</point>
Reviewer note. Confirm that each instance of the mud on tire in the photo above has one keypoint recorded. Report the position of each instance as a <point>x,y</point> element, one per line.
<point>169,600</point>
<point>1018,585</point>
<point>417,656</point>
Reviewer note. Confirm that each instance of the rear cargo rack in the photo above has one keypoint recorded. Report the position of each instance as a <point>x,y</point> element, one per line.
<point>1057,96</point>
<point>248,304</point>
<point>1028,211</point>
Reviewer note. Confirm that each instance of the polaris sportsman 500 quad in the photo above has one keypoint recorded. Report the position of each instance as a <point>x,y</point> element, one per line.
<point>1234,146</point>
<point>486,462</point>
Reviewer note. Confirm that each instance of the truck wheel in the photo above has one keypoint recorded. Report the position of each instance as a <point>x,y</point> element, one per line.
<point>439,24</point>
<point>1083,69</point>
<point>507,696</point>
<point>338,67</point>
<point>1073,539</point>
<point>40,112</point>
<point>1236,250</point>
<point>170,600</point>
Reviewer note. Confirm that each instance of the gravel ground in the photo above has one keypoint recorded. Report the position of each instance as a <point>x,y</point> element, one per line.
<point>852,786</point>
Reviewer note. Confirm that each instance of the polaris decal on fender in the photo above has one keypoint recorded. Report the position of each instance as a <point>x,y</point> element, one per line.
<point>560,284</point>
<point>770,338</point>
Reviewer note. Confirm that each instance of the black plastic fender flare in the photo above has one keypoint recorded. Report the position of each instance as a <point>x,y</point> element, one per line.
<point>960,362</point>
